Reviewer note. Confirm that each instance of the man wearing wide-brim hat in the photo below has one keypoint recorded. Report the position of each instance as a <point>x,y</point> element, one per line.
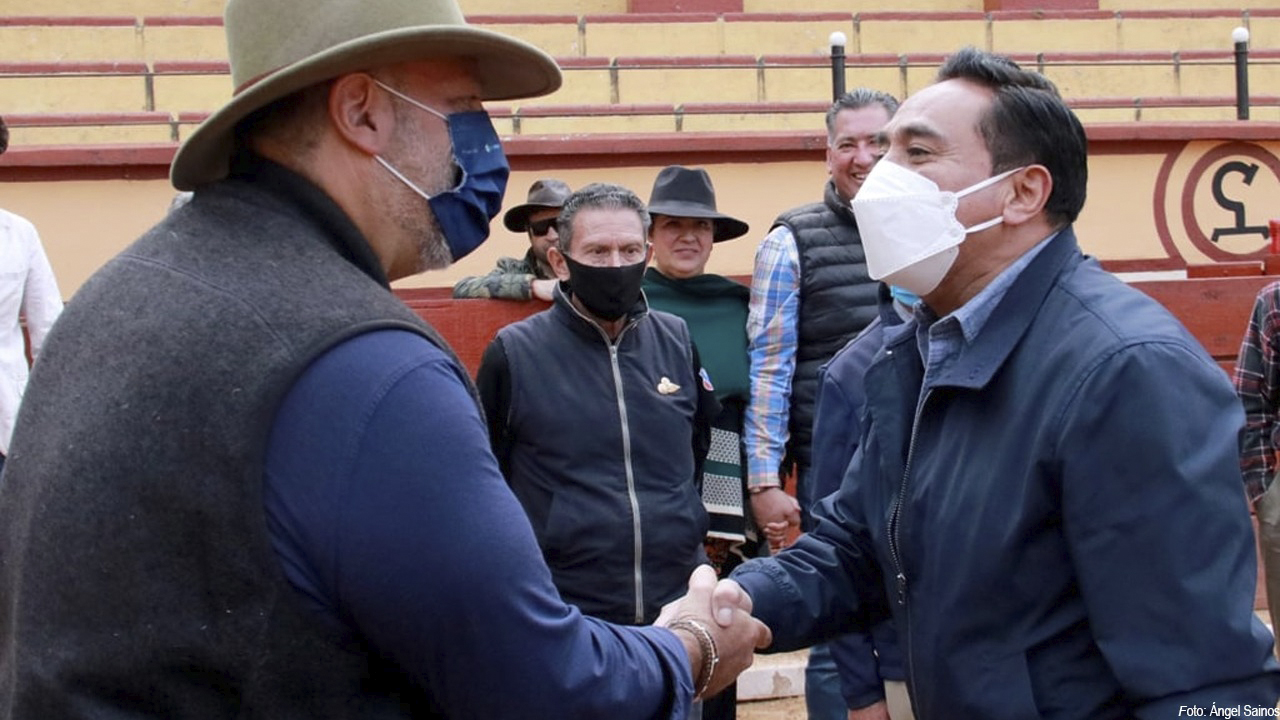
<point>246,481</point>
<point>529,276</point>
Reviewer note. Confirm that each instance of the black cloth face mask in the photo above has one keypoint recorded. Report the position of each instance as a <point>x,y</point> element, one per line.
<point>607,292</point>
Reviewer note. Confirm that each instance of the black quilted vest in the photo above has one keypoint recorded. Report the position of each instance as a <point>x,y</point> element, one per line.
<point>837,300</point>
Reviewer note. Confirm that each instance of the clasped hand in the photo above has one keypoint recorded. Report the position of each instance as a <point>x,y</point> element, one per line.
<point>725,609</point>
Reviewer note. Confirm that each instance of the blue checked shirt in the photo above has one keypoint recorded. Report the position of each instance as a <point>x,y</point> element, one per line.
<point>941,339</point>
<point>772,336</point>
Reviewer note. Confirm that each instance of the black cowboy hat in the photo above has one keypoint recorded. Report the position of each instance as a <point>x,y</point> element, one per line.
<point>545,194</point>
<point>687,192</point>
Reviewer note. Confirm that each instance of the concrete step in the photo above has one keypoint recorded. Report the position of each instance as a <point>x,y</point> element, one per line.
<point>774,676</point>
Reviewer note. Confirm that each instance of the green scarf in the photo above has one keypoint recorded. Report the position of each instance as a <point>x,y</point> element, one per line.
<point>715,308</point>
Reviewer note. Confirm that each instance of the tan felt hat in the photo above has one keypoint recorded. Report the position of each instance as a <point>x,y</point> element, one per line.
<point>278,47</point>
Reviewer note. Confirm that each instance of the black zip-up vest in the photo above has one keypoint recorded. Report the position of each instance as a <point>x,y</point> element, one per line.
<point>136,568</point>
<point>837,300</point>
<point>602,457</point>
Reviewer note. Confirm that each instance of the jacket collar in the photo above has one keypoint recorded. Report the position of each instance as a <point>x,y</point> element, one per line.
<point>979,361</point>
<point>571,316</point>
<point>838,205</point>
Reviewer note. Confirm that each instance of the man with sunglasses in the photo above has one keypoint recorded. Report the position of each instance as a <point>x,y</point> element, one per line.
<point>531,275</point>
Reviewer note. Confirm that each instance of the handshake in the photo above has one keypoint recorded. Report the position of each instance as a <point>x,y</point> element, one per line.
<point>714,622</point>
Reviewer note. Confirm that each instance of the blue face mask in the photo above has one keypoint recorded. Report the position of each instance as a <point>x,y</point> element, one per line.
<point>904,296</point>
<point>464,212</point>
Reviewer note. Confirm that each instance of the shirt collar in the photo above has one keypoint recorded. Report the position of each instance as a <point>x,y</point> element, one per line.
<point>973,315</point>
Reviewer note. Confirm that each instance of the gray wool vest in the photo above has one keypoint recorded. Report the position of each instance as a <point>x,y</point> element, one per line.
<point>837,300</point>
<point>135,564</point>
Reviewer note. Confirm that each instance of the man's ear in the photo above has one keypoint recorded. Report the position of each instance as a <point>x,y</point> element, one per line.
<point>361,113</point>
<point>1031,188</point>
<point>556,259</point>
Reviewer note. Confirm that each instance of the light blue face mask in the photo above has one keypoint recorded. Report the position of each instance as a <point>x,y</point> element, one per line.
<point>464,212</point>
<point>904,296</point>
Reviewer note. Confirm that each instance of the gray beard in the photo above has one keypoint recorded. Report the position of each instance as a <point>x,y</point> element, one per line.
<point>433,251</point>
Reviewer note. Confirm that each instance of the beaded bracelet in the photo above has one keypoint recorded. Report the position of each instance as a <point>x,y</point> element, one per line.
<point>706,644</point>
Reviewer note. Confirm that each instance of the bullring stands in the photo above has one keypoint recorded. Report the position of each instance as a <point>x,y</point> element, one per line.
<point>144,71</point>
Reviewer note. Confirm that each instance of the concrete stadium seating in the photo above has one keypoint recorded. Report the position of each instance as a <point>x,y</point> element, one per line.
<point>93,8</point>
<point>124,71</point>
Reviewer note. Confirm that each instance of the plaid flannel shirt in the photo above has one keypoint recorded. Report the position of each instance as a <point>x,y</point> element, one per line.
<point>1257,381</point>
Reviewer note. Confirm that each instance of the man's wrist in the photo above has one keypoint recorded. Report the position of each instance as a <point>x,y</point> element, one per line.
<point>708,655</point>
<point>762,487</point>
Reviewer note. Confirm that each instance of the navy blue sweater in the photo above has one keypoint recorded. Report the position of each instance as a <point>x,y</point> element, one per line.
<point>390,516</point>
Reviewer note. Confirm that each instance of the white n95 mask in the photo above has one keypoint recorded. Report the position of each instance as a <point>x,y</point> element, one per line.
<point>909,228</point>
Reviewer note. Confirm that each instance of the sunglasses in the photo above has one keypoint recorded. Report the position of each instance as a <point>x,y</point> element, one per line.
<point>541,227</point>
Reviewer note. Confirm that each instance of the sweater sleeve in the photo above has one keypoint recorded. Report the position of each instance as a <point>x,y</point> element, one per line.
<point>390,517</point>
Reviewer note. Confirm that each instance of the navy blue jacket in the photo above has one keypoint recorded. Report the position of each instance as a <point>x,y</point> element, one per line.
<point>863,659</point>
<point>602,442</point>
<point>1061,529</point>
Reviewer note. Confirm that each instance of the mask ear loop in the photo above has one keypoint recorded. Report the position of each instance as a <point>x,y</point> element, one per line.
<point>431,110</point>
<point>402,178</point>
<point>987,183</point>
<point>409,100</point>
<point>984,225</point>
<point>980,186</point>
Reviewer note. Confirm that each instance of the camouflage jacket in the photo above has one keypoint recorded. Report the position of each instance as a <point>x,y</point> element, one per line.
<point>510,280</point>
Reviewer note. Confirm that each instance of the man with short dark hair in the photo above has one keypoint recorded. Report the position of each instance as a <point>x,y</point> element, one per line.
<point>599,417</point>
<point>248,482</point>
<point>1046,492</point>
<point>530,276</point>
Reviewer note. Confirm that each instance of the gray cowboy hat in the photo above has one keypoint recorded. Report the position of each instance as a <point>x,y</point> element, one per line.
<point>278,47</point>
<point>687,192</point>
<point>545,194</point>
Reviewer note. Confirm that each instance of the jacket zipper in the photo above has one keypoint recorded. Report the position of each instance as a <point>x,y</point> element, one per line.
<point>631,481</point>
<point>632,497</point>
<point>895,527</point>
